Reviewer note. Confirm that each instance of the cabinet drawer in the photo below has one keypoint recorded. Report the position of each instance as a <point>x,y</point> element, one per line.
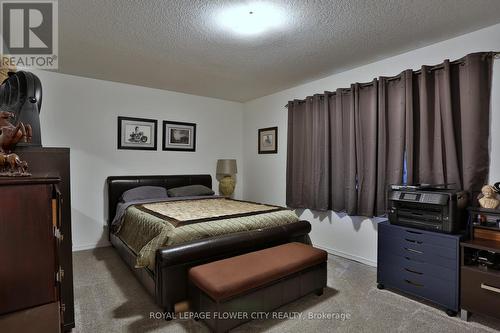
<point>419,284</point>
<point>481,292</point>
<point>418,267</point>
<point>416,235</point>
<point>419,251</point>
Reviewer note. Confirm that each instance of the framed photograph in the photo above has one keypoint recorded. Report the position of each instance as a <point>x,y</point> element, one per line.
<point>137,133</point>
<point>179,136</point>
<point>268,140</point>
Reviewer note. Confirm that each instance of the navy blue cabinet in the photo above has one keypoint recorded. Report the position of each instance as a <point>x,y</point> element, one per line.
<point>420,263</point>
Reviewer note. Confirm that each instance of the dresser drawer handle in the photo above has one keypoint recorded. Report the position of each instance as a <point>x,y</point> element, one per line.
<point>415,260</point>
<point>412,250</point>
<point>414,283</point>
<point>413,241</point>
<point>414,272</point>
<point>490,288</point>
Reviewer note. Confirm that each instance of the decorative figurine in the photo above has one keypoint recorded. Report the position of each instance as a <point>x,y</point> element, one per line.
<point>489,199</point>
<point>10,135</point>
<point>10,164</point>
<point>20,104</point>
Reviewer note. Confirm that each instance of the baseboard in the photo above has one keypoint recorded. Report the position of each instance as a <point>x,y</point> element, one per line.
<point>90,246</point>
<point>347,256</point>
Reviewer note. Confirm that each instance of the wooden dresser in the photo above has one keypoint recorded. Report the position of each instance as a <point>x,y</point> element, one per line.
<point>30,273</point>
<point>55,162</point>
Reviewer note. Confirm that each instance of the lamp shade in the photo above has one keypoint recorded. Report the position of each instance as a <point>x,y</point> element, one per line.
<point>226,167</point>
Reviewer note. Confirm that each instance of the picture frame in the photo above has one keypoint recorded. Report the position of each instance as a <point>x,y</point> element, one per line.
<point>179,136</point>
<point>268,140</point>
<point>137,133</point>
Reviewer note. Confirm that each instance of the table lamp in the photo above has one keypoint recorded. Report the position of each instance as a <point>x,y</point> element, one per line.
<point>226,171</point>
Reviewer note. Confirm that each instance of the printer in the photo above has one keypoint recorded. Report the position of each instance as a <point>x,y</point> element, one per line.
<point>428,207</point>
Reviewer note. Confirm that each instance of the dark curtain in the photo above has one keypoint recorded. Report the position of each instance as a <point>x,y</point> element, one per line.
<point>308,155</point>
<point>395,126</point>
<point>366,132</point>
<point>346,147</point>
<point>451,105</point>
<point>342,153</point>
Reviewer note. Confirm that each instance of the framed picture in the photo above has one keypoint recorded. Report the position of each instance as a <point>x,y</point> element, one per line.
<point>179,136</point>
<point>268,140</point>
<point>137,133</point>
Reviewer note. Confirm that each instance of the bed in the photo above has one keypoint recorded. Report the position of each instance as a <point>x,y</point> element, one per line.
<point>165,277</point>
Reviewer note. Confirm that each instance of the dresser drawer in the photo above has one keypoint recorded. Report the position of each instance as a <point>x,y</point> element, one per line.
<point>421,251</point>
<point>442,292</point>
<point>419,267</point>
<point>480,292</point>
<point>418,236</point>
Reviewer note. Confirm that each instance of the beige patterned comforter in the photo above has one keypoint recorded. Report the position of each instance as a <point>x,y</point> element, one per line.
<point>194,211</point>
<point>148,227</point>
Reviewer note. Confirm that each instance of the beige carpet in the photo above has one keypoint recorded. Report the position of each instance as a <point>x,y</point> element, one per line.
<point>109,299</point>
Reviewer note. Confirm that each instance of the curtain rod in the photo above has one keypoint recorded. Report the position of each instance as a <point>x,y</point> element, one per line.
<point>495,55</point>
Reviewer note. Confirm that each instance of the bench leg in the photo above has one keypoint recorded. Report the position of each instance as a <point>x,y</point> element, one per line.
<point>319,292</point>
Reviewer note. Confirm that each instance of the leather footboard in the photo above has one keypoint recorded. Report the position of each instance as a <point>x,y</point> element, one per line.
<point>223,316</point>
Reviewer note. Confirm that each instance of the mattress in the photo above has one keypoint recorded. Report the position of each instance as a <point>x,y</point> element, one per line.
<point>146,227</point>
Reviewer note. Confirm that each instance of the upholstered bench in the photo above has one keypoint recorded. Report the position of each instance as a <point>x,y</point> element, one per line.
<point>229,292</point>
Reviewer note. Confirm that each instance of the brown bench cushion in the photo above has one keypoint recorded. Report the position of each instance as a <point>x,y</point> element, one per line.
<point>226,278</point>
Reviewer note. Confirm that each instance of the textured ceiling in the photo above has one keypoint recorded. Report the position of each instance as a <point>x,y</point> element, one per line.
<point>175,44</point>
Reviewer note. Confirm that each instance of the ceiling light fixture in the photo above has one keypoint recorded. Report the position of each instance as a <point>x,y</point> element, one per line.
<point>251,19</point>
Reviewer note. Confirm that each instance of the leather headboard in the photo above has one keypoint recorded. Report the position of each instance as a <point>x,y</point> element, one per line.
<point>119,184</point>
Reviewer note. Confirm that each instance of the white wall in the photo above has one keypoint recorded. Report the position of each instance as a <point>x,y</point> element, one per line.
<point>82,114</point>
<point>264,177</point>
